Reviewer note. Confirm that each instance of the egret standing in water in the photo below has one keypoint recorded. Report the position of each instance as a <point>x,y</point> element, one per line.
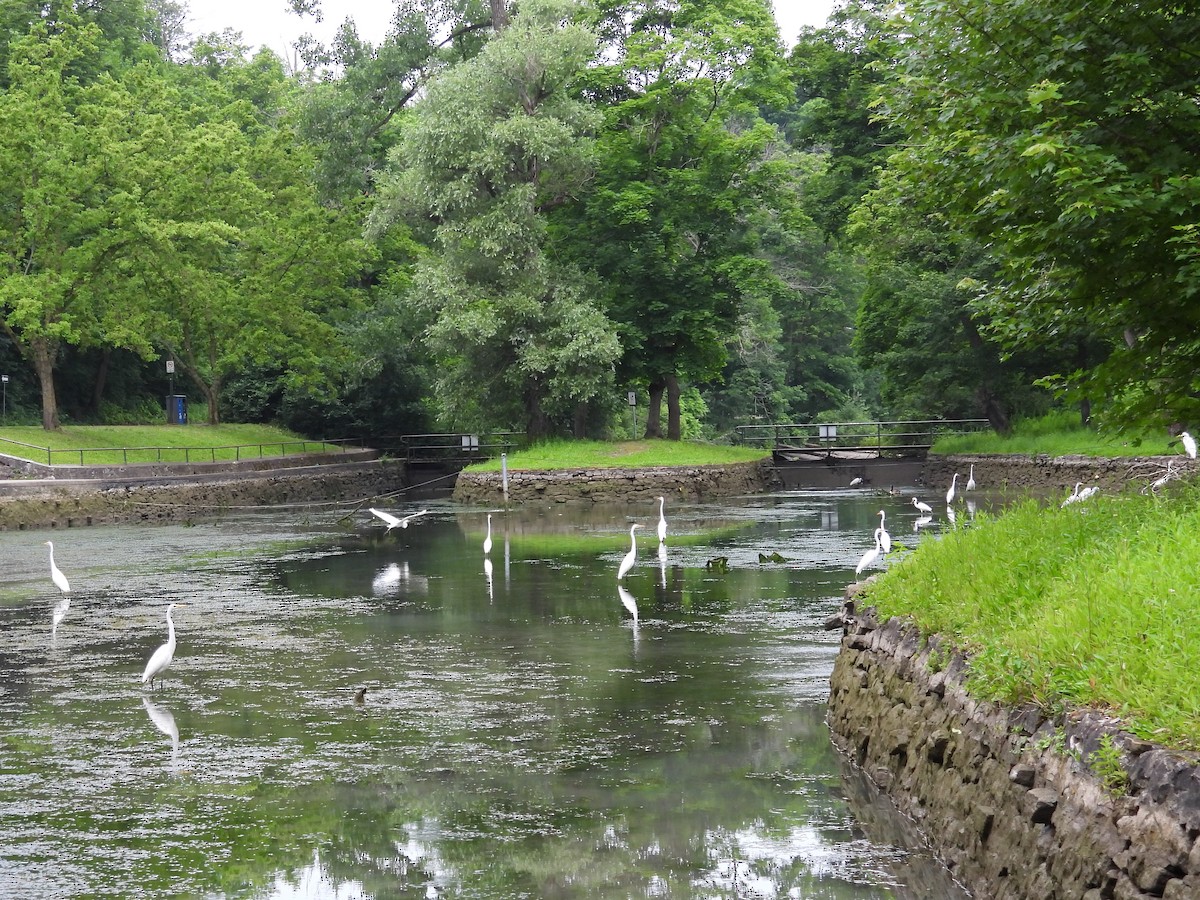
<point>61,607</point>
<point>869,556</point>
<point>950,493</point>
<point>923,508</point>
<point>56,574</point>
<point>971,479</point>
<point>662,521</point>
<point>881,535</point>
<point>487,541</point>
<point>161,657</point>
<point>631,556</point>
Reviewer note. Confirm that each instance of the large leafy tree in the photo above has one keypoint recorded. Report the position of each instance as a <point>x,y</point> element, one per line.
<point>498,140</point>
<point>1065,137</point>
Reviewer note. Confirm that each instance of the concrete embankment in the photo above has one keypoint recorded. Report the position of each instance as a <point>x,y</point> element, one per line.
<point>1041,474</point>
<point>1019,806</point>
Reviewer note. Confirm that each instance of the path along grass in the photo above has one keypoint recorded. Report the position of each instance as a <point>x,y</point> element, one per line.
<point>1097,604</point>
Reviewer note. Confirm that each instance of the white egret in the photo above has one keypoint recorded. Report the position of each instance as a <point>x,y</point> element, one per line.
<point>1073,496</point>
<point>881,535</point>
<point>1088,492</point>
<point>662,520</point>
<point>627,599</point>
<point>855,482</point>
<point>56,573</point>
<point>627,562</point>
<point>1189,444</point>
<point>487,541</point>
<point>869,556</point>
<point>923,508</point>
<point>393,521</point>
<point>971,479</point>
<point>161,658</point>
<point>950,493</point>
<point>1161,482</point>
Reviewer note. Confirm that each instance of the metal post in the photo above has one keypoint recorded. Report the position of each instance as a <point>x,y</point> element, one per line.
<point>4,382</point>
<point>633,409</point>
<point>504,475</point>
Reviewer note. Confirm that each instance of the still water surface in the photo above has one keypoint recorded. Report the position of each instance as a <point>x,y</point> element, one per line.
<point>520,735</point>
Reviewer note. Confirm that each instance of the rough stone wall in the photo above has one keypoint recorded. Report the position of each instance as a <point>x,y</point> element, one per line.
<point>615,485</point>
<point>1044,474</point>
<point>1011,801</point>
<point>164,500</point>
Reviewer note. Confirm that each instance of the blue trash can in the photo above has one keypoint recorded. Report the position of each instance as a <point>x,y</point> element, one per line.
<point>176,409</point>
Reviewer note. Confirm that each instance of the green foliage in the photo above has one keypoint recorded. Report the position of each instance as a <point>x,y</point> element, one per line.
<point>1063,138</point>
<point>550,455</point>
<point>1056,434</point>
<point>1091,613</point>
<point>1108,764</point>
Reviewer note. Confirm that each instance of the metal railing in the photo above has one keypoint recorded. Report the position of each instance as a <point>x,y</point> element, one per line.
<point>459,446</point>
<point>101,456</point>
<point>894,436</point>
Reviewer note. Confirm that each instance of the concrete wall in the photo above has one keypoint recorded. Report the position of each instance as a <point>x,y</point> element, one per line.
<point>1041,474</point>
<point>1011,801</point>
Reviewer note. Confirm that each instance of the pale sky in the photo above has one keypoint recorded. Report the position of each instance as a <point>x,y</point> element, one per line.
<point>270,22</point>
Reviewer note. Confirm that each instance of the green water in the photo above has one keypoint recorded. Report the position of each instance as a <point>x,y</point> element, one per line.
<point>520,735</point>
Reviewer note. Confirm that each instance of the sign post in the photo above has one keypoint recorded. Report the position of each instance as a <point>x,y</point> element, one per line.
<point>4,382</point>
<point>633,409</point>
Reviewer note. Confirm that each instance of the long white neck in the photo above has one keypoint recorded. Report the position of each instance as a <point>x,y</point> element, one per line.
<point>170,630</point>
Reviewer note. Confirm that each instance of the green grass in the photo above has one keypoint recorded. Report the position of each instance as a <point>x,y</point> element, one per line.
<point>1098,609</point>
<point>119,444</point>
<point>1057,434</point>
<point>552,455</point>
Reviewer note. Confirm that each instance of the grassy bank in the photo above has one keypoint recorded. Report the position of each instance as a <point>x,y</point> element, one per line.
<point>1097,609</point>
<point>552,455</point>
<point>119,444</point>
<point>1057,434</point>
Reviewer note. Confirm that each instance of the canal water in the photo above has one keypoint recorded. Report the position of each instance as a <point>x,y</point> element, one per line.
<point>517,733</point>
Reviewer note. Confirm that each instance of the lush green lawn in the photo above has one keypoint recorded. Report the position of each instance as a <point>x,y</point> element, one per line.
<point>1058,434</point>
<point>1092,605</point>
<point>118,444</point>
<point>552,455</point>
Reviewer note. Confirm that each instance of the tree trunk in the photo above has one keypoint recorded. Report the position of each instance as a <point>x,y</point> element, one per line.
<point>100,379</point>
<point>673,430</point>
<point>994,411</point>
<point>654,410</point>
<point>499,14</point>
<point>43,351</point>
<point>537,426</point>
<point>580,421</point>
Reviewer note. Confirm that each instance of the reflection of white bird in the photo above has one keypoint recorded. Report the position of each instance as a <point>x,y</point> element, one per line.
<point>55,573</point>
<point>662,563</point>
<point>923,508</point>
<point>971,479</point>
<point>631,556</point>
<point>487,571</point>
<point>950,514</point>
<point>392,521</point>
<point>161,657</point>
<point>922,522</point>
<point>387,579</point>
<point>950,493</point>
<point>628,600</point>
<point>487,541</point>
<point>971,508</point>
<point>881,535</point>
<point>1189,444</point>
<point>60,613</point>
<point>868,557</point>
<point>662,520</point>
<point>163,720</point>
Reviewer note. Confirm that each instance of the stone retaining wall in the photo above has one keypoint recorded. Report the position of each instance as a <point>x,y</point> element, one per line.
<point>1015,804</point>
<point>180,499</point>
<point>615,485</point>
<point>1042,474</point>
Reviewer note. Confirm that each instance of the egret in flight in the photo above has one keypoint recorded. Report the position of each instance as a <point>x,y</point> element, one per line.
<point>631,556</point>
<point>161,657</point>
<point>950,493</point>
<point>881,535</point>
<point>487,541</point>
<point>393,521</point>
<point>923,508</point>
<point>971,478</point>
<point>662,521</point>
<point>1189,444</point>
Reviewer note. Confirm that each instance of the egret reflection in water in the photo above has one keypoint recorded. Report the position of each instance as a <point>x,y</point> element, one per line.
<point>164,721</point>
<point>662,563</point>
<point>487,571</point>
<point>629,602</point>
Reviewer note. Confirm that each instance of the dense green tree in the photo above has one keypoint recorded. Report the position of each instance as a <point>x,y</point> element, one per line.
<point>496,142</point>
<point>1065,137</point>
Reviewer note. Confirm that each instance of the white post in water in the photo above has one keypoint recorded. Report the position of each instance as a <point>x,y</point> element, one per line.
<point>504,475</point>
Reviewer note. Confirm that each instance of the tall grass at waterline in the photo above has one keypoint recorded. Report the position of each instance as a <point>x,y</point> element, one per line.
<point>109,442</point>
<point>559,454</point>
<point>1097,604</point>
<point>1057,434</point>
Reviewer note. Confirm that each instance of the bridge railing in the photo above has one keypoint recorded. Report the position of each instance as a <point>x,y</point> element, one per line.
<point>457,446</point>
<point>901,436</point>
